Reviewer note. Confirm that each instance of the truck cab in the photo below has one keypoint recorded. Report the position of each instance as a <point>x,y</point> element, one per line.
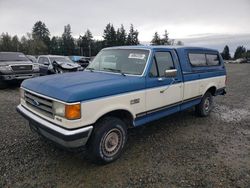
<point>123,87</point>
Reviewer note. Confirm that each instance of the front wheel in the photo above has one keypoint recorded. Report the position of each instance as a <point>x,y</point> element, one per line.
<point>204,108</point>
<point>107,140</point>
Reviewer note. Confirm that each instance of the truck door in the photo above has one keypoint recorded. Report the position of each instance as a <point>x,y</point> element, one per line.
<point>163,92</point>
<point>43,64</point>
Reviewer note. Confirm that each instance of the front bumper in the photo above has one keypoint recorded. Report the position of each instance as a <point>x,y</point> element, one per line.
<point>8,77</point>
<point>67,138</point>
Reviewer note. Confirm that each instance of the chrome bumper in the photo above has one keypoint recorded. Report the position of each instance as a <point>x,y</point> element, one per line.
<point>64,137</point>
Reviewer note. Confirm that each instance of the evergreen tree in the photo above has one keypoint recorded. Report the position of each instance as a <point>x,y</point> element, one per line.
<point>41,32</point>
<point>226,54</point>
<point>68,41</point>
<point>15,44</point>
<point>121,36</point>
<point>56,46</point>
<point>31,46</point>
<point>109,35</point>
<point>86,43</point>
<point>179,43</point>
<point>5,42</point>
<point>165,40</point>
<point>240,50</point>
<point>156,39</point>
<point>132,38</point>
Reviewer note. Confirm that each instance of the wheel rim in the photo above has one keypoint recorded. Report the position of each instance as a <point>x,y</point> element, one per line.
<point>207,104</point>
<point>112,142</point>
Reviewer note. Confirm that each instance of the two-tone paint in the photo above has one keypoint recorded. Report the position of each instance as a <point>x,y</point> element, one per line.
<point>144,98</point>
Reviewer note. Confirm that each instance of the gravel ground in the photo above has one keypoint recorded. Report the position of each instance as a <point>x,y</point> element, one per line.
<point>178,151</point>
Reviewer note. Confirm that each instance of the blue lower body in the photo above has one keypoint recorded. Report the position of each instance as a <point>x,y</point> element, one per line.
<point>165,111</point>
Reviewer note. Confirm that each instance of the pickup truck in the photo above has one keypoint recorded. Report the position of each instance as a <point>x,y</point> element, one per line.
<point>124,87</point>
<point>15,66</point>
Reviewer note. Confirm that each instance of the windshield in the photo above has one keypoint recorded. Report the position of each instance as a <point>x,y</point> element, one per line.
<point>10,56</point>
<point>126,61</point>
<point>61,59</point>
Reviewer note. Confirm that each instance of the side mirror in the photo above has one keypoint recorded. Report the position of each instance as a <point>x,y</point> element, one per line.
<point>171,73</point>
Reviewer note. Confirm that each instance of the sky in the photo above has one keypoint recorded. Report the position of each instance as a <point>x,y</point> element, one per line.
<point>181,18</point>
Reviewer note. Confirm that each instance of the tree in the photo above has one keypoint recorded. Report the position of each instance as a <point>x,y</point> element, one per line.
<point>109,35</point>
<point>85,43</point>
<point>31,46</point>
<point>132,38</point>
<point>68,41</point>
<point>121,36</point>
<point>240,50</point>
<point>156,39</point>
<point>5,42</point>
<point>226,53</point>
<point>56,46</point>
<point>165,39</point>
<point>41,32</point>
<point>15,43</point>
<point>179,43</point>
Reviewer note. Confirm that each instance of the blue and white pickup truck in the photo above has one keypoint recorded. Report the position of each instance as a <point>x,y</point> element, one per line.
<point>123,87</point>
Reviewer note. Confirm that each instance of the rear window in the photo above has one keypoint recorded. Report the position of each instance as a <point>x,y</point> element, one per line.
<point>197,59</point>
<point>212,59</point>
<point>200,59</point>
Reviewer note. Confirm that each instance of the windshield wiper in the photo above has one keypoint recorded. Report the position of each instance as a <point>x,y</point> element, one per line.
<point>115,70</point>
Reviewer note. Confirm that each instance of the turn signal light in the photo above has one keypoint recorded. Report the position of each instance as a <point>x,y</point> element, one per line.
<point>73,111</point>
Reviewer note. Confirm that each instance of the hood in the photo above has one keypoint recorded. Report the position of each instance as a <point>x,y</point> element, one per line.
<point>81,86</point>
<point>6,63</point>
<point>67,65</point>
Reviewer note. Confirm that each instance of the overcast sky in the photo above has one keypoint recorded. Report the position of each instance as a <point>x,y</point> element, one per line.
<point>182,18</point>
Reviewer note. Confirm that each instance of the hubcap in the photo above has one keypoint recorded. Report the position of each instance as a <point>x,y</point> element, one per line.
<point>207,104</point>
<point>112,142</point>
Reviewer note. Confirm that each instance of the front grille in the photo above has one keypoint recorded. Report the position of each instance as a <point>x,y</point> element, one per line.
<point>18,68</point>
<point>39,104</point>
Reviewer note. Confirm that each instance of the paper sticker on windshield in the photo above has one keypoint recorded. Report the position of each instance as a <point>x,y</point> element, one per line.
<point>136,56</point>
<point>21,55</point>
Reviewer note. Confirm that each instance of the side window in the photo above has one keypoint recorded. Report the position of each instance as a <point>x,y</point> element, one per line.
<point>153,71</point>
<point>40,60</point>
<point>212,59</point>
<point>164,62</point>
<point>46,60</point>
<point>197,59</point>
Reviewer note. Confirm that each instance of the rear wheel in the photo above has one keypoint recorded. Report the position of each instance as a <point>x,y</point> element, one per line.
<point>204,108</point>
<point>107,140</point>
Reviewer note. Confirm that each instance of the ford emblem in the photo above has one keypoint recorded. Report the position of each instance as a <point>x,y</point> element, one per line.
<point>35,103</point>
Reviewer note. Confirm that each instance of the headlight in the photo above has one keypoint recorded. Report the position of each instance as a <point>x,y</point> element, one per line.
<point>71,112</point>
<point>36,67</point>
<point>4,68</point>
<point>59,109</point>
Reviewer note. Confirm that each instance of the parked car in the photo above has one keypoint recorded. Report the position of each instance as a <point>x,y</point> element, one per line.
<point>32,58</point>
<point>124,87</point>
<point>51,64</point>
<point>81,60</point>
<point>15,66</point>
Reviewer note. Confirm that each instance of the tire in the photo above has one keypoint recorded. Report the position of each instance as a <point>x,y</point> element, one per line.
<point>204,108</point>
<point>3,85</point>
<point>107,140</point>
<point>58,70</point>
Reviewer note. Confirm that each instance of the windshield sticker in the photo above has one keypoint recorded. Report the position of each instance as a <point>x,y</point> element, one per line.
<point>21,55</point>
<point>136,56</point>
